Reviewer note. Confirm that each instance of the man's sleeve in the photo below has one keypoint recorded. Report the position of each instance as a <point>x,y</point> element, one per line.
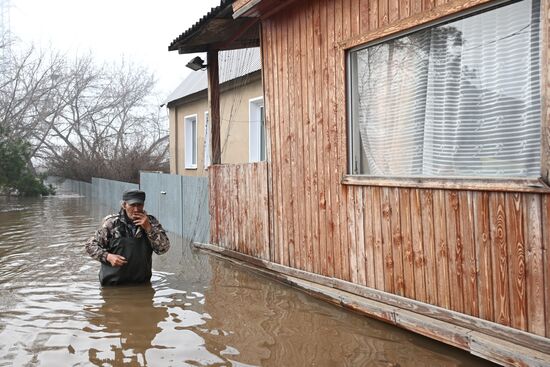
<point>96,246</point>
<point>157,237</point>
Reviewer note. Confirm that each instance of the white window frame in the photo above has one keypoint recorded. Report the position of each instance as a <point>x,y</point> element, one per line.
<point>206,144</point>
<point>190,128</point>
<point>475,183</point>
<point>255,108</point>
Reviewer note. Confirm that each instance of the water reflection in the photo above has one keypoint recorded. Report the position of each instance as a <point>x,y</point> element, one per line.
<point>129,318</point>
<point>197,311</point>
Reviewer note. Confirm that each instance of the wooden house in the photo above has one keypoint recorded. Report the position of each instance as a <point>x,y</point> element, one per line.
<point>241,108</point>
<point>408,161</point>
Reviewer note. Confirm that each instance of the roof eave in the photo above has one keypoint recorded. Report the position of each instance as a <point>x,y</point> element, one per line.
<point>218,30</point>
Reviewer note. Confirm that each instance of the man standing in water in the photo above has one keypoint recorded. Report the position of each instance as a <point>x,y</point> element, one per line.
<point>125,242</point>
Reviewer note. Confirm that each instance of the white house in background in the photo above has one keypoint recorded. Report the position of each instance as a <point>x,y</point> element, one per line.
<point>241,112</point>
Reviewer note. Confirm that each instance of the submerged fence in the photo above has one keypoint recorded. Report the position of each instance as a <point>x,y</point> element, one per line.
<point>179,202</point>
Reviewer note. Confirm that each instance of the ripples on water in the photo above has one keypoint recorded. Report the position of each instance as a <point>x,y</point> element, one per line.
<point>199,310</point>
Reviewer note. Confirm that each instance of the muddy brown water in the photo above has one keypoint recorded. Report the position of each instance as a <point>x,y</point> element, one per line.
<point>199,310</point>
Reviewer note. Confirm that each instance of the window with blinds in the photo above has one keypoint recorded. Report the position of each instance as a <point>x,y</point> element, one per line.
<point>460,99</point>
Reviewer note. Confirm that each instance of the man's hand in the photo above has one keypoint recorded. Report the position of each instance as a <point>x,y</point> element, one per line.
<point>116,260</point>
<point>142,220</point>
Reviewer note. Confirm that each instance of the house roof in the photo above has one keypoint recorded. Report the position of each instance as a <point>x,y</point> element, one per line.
<point>232,65</point>
<point>217,30</point>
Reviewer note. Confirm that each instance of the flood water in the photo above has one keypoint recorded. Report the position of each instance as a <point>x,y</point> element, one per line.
<point>199,311</point>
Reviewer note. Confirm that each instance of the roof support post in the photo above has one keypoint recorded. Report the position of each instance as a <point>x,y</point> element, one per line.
<point>214,105</point>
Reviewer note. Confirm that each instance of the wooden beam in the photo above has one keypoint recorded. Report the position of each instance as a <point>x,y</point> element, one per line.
<point>511,184</point>
<point>214,106</point>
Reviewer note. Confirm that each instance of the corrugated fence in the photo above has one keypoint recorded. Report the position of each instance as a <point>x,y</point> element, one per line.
<point>179,202</point>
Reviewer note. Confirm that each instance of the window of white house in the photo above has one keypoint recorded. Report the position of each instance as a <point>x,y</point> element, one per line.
<point>206,144</point>
<point>256,131</point>
<point>460,99</point>
<point>190,141</point>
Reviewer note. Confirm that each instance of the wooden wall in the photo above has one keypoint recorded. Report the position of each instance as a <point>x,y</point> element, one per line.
<point>478,252</point>
<point>239,208</point>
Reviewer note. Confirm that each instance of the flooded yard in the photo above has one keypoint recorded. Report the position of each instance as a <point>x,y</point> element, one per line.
<point>199,310</point>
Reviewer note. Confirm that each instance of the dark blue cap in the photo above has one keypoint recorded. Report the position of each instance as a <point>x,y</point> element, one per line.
<point>133,196</point>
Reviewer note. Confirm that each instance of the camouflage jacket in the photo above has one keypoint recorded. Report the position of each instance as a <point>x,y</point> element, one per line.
<point>116,226</point>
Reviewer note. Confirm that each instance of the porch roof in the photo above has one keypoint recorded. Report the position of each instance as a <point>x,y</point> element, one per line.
<point>217,30</point>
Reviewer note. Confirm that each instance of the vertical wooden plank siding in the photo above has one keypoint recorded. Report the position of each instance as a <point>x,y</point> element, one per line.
<point>416,7</point>
<point>534,264</point>
<point>516,261</point>
<point>308,239</point>
<point>397,243</point>
<point>313,141</point>
<point>266,216</point>
<point>546,260</point>
<point>453,249</point>
<point>334,17</point>
<point>240,222</point>
<point>294,230</point>
<point>429,243</point>
<point>369,239</point>
<point>343,31</point>
<point>301,239</point>
<point>407,243</point>
<point>212,206</point>
<point>285,108</point>
<point>360,237</point>
<point>478,252</point>
<point>377,230</point>
<point>328,30</point>
<point>364,16</point>
<point>404,9</point>
<point>419,256</point>
<point>482,233</point>
<point>318,122</point>
<point>387,249</point>
<point>279,126</point>
<point>439,257</point>
<point>383,13</point>
<point>501,293</point>
<point>352,236</point>
<point>267,70</point>
<point>469,256</point>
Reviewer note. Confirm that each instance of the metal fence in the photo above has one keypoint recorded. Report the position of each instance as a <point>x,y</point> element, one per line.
<point>180,203</point>
<point>77,187</point>
<point>109,192</point>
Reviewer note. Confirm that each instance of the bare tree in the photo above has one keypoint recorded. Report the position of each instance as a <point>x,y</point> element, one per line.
<point>83,119</point>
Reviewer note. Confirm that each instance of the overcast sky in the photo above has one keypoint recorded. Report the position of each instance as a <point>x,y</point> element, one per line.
<point>140,30</point>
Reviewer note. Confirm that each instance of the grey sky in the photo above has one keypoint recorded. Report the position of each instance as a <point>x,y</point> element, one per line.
<point>137,30</point>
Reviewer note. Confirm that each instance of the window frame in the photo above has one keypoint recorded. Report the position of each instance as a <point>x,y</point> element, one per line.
<point>255,107</point>
<point>423,21</point>
<point>188,152</point>
<point>206,145</point>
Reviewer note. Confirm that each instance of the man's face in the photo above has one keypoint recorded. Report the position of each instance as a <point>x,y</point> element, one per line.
<point>133,210</point>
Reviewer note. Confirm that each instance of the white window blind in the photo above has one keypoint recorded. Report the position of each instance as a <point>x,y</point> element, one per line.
<point>455,100</point>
